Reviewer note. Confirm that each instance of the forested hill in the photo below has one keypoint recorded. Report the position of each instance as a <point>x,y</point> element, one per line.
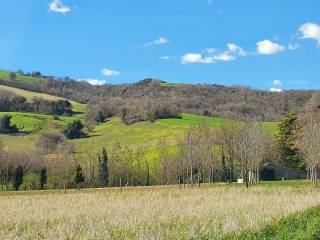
<point>211,100</point>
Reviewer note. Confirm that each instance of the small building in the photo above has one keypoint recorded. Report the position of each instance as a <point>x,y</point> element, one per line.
<point>271,172</point>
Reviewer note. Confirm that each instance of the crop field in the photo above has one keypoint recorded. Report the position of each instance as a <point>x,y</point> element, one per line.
<point>210,212</point>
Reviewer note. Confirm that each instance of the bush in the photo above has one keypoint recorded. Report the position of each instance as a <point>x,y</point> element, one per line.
<point>30,182</point>
<point>74,130</point>
<point>54,182</point>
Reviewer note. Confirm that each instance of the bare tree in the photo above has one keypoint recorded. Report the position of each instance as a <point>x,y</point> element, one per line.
<point>250,150</point>
<point>226,137</point>
<point>309,144</point>
<point>164,158</point>
<point>257,151</point>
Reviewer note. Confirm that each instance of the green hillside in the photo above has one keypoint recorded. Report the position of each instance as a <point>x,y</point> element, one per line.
<point>33,125</point>
<point>108,133</point>
<point>4,75</point>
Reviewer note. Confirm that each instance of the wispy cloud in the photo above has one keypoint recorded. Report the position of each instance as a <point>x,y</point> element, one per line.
<point>109,72</point>
<point>293,46</point>
<point>58,7</point>
<point>267,47</point>
<point>310,31</point>
<point>158,41</point>
<point>165,58</point>
<point>233,48</point>
<point>96,82</point>
<point>298,82</point>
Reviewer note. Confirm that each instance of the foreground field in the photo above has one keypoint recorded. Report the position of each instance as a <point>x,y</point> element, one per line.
<point>209,212</point>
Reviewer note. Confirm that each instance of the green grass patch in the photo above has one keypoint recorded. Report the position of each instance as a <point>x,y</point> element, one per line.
<point>33,123</point>
<point>4,75</point>
<point>303,226</point>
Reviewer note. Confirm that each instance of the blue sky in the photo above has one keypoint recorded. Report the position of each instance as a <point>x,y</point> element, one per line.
<point>265,44</point>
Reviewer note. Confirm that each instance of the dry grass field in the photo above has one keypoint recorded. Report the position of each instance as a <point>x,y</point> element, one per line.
<point>148,213</point>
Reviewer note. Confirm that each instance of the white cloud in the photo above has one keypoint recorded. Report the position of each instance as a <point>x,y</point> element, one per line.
<point>159,41</point>
<point>211,55</point>
<point>96,82</point>
<point>267,47</point>
<point>233,48</point>
<point>310,31</point>
<point>225,57</point>
<point>58,7</point>
<point>294,46</point>
<point>278,90</point>
<point>109,72</point>
<point>165,58</point>
<point>196,58</point>
<point>277,82</point>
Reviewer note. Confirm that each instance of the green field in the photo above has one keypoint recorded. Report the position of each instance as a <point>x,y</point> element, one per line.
<point>31,126</point>
<point>4,75</point>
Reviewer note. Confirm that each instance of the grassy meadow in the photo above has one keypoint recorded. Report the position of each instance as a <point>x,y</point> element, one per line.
<point>29,79</point>
<point>210,212</point>
<point>107,133</point>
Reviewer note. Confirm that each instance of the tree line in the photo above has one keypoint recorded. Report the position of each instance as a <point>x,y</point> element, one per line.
<point>9,102</point>
<point>237,149</point>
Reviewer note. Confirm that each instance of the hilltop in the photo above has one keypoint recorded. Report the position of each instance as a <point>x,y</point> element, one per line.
<point>209,100</point>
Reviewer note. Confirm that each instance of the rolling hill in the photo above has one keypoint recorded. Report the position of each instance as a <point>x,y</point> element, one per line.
<point>33,125</point>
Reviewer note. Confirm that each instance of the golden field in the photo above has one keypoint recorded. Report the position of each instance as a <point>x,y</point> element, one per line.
<point>148,212</point>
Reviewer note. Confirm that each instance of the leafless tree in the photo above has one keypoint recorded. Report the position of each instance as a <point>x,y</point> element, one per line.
<point>164,157</point>
<point>226,137</point>
<point>250,150</point>
<point>309,144</point>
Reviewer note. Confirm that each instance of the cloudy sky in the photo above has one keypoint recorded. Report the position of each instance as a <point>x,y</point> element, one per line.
<point>265,44</point>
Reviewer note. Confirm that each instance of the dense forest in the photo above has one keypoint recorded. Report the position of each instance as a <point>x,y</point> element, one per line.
<point>139,100</point>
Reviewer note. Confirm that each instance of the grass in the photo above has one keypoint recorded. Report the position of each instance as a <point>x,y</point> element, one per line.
<point>150,133</point>
<point>31,126</point>
<point>29,79</point>
<point>76,107</point>
<point>108,133</point>
<point>302,225</point>
<point>210,212</point>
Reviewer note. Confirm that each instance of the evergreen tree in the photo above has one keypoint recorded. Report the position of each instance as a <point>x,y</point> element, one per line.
<point>5,125</point>
<point>74,130</point>
<point>78,178</point>
<point>12,76</point>
<point>18,177</point>
<point>104,169</point>
<point>288,129</point>
<point>100,117</point>
<point>43,178</point>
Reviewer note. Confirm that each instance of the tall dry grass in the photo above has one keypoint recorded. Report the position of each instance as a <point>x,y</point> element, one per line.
<point>148,213</point>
